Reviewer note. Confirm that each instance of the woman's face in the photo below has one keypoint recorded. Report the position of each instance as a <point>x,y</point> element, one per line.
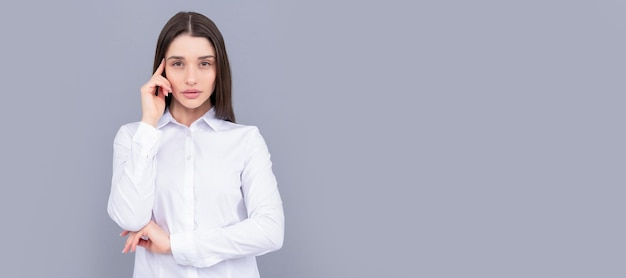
<point>190,69</point>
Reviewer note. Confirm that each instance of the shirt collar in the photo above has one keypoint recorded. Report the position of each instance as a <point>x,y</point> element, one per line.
<point>208,117</point>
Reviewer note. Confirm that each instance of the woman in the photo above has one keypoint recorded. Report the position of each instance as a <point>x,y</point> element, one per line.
<point>192,188</point>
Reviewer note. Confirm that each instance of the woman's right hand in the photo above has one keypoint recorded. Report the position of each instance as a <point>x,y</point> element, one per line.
<point>152,237</point>
<point>152,103</point>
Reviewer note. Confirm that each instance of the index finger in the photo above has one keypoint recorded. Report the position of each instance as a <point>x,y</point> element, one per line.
<point>159,70</point>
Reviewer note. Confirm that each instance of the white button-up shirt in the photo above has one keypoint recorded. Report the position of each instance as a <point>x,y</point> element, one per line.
<point>209,185</point>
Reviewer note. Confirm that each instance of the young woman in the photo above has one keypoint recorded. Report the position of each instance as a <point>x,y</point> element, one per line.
<point>190,187</point>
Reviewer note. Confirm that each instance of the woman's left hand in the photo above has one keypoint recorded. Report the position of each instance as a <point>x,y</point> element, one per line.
<point>152,237</point>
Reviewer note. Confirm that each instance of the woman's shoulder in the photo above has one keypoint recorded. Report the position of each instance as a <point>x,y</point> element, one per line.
<point>245,135</point>
<point>252,133</point>
<point>227,126</point>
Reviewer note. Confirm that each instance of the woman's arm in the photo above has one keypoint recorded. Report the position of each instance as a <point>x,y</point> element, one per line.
<point>134,170</point>
<point>260,233</point>
<point>134,166</point>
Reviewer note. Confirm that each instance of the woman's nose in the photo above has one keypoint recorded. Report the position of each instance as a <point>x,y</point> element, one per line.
<point>190,78</point>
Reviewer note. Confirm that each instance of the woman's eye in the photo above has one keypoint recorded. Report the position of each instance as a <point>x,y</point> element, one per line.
<point>177,64</point>
<point>205,64</point>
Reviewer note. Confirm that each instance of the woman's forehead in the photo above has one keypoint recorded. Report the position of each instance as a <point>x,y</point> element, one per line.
<point>190,47</point>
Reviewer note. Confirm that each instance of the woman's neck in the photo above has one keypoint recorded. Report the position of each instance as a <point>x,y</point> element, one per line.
<point>187,116</point>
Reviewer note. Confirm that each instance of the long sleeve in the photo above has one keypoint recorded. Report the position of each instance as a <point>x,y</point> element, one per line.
<point>134,170</point>
<point>260,233</point>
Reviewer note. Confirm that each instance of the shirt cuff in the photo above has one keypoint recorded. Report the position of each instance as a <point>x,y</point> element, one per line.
<point>183,248</point>
<point>186,250</point>
<point>147,137</point>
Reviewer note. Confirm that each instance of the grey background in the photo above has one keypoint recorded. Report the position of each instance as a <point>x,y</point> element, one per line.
<point>410,138</point>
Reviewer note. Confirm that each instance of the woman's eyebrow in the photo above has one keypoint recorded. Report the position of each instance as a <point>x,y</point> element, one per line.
<point>183,58</point>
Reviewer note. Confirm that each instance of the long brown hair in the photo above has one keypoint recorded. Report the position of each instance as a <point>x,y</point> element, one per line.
<point>198,25</point>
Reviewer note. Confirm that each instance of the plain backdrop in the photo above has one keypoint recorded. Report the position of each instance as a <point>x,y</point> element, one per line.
<point>410,138</point>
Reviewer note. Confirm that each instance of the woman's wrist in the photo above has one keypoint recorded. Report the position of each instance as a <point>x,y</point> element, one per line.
<point>150,121</point>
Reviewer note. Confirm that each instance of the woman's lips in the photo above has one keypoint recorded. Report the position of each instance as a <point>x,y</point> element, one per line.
<point>191,93</point>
